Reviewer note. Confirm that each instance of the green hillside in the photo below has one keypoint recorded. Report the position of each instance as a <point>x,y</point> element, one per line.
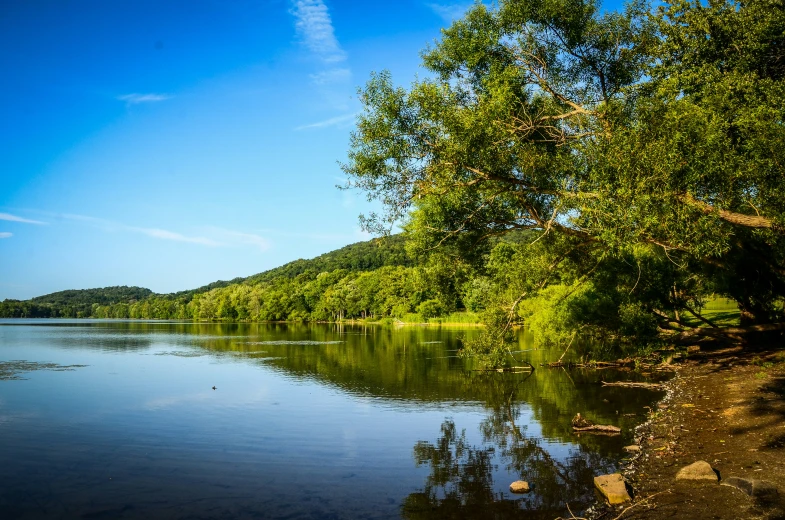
<point>361,256</point>
<point>138,302</point>
<point>104,296</point>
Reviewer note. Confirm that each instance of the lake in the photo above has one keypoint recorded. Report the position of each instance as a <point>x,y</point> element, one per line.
<point>119,419</point>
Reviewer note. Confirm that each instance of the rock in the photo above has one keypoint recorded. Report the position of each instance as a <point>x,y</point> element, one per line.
<point>612,488</point>
<point>760,489</point>
<point>634,448</point>
<point>519,486</point>
<point>700,470</point>
<point>692,349</point>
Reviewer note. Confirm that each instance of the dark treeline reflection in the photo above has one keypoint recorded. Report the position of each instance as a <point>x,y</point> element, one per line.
<point>399,365</point>
<point>393,364</point>
<point>461,484</point>
<point>421,364</point>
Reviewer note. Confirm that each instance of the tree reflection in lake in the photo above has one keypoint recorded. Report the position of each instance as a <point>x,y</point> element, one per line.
<point>461,482</point>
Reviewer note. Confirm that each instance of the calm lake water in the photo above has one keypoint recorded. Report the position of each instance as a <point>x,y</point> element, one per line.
<point>118,419</point>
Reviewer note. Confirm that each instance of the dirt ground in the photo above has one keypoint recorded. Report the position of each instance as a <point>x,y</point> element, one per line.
<point>726,408</point>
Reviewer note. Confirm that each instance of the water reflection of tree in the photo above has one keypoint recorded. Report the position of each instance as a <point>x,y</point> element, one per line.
<point>461,484</point>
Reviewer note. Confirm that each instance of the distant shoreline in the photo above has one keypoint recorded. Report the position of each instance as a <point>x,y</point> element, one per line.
<point>381,322</point>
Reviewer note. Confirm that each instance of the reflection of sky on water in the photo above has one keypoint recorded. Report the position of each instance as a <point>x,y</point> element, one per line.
<point>312,425</point>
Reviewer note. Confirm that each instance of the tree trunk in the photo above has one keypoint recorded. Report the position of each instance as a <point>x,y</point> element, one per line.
<point>752,314</point>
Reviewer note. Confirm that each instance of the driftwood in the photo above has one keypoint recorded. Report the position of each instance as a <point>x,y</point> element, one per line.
<point>633,384</point>
<point>593,364</point>
<point>583,425</point>
<point>528,368</point>
<point>598,428</point>
<point>621,364</point>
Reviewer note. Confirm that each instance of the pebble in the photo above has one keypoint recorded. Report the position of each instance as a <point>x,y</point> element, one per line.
<point>519,486</point>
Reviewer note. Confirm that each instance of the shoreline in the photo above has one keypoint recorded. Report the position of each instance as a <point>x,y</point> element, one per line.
<point>380,323</point>
<point>727,408</point>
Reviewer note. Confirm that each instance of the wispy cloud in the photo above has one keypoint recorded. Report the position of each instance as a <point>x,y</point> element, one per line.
<point>6,234</point>
<point>135,99</point>
<point>331,76</point>
<point>14,218</point>
<point>211,236</point>
<point>84,218</point>
<point>176,237</point>
<point>231,237</point>
<point>450,12</point>
<point>315,28</point>
<point>163,234</point>
<point>333,121</point>
<point>251,239</point>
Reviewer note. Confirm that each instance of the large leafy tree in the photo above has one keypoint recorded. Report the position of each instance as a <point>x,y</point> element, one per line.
<point>662,130</point>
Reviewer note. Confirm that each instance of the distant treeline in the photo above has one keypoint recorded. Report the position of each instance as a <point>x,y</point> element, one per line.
<point>368,279</point>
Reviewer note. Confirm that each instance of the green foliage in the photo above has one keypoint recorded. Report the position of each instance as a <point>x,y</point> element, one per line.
<point>361,256</point>
<point>105,296</point>
<point>491,348</point>
<point>642,149</point>
<point>373,279</point>
<point>430,308</point>
<point>72,303</point>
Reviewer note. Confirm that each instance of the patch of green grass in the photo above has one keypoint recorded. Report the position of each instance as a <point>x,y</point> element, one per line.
<point>757,361</point>
<point>462,317</point>
<point>722,312</point>
<point>455,318</point>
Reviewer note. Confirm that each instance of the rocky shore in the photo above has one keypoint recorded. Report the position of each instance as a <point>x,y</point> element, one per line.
<point>725,409</point>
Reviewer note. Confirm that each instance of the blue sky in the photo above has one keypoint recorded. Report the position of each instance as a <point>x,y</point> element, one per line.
<point>169,144</point>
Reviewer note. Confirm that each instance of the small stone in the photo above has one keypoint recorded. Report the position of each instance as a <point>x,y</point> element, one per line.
<point>612,488</point>
<point>519,486</point>
<point>700,470</point>
<point>632,448</point>
<point>692,349</point>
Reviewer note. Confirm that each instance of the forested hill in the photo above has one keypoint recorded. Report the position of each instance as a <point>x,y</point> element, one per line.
<point>137,302</point>
<point>361,256</point>
<point>104,296</point>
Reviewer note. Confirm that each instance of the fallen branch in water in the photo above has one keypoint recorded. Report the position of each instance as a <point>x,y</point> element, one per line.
<point>583,425</point>
<point>595,364</point>
<point>568,347</point>
<point>598,428</point>
<point>529,368</point>
<point>633,384</point>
